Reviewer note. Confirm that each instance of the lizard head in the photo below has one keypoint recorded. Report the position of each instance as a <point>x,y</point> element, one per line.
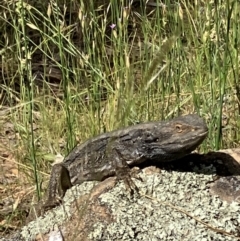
<point>175,138</point>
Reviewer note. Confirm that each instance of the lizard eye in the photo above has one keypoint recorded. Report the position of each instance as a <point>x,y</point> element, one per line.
<point>179,128</point>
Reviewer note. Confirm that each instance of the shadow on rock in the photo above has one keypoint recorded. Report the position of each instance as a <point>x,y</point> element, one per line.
<point>224,165</point>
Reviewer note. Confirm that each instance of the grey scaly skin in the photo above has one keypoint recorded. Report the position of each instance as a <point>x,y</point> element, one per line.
<point>113,153</point>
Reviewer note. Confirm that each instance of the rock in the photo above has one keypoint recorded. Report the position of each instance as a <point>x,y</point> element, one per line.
<point>181,200</point>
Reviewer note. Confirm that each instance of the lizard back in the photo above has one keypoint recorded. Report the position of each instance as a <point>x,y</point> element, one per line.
<point>160,140</point>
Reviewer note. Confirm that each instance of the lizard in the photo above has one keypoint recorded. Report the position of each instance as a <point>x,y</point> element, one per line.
<point>114,153</point>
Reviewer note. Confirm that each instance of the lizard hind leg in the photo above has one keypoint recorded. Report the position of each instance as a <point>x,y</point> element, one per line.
<point>58,184</point>
<point>65,182</point>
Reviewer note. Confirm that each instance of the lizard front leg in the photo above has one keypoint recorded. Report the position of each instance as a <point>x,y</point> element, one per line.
<point>58,184</point>
<point>123,171</point>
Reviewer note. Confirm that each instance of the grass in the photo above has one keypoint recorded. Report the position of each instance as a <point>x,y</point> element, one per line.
<point>69,72</point>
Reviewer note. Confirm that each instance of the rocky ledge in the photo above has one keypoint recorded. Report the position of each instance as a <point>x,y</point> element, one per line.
<point>193,198</point>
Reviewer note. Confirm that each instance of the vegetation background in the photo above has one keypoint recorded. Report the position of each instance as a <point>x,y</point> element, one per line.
<point>73,69</point>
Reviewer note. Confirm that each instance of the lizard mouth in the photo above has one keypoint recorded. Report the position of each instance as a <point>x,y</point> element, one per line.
<point>177,147</point>
<point>188,144</point>
<point>195,142</point>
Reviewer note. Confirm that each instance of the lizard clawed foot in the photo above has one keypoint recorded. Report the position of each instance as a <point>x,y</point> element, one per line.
<point>134,172</point>
<point>126,175</point>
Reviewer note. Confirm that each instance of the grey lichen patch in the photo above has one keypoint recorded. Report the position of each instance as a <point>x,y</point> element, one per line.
<point>171,205</point>
<point>57,216</point>
<point>140,218</point>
